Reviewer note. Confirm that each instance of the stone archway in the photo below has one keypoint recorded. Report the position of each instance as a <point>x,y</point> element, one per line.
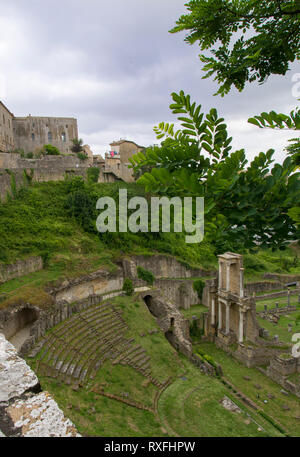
<point>16,328</point>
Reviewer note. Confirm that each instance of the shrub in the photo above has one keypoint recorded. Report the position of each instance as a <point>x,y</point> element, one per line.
<point>29,155</point>
<point>145,275</point>
<point>50,150</point>
<point>82,156</point>
<point>198,286</point>
<point>128,287</point>
<point>93,174</point>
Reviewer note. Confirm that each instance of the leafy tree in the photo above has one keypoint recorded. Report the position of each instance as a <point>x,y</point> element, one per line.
<point>244,204</point>
<point>249,39</point>
<point>77,145</point>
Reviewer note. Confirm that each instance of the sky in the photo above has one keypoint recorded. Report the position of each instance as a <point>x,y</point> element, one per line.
<point>113,65</point>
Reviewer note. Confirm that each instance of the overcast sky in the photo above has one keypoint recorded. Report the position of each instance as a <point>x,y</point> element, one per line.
<point>113,65</point>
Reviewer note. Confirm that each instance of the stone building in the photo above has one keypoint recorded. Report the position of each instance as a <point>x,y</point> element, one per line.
<point>31,133</point>
<point>232,315</point>
<point>117,160</point>
<point>6,129</point>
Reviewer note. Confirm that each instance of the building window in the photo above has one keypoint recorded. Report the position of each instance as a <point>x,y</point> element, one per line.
<point>63,137</point>
<point>32,137</point>
<point>49,137</point>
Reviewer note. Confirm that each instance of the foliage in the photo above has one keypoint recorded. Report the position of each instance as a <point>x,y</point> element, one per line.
<point>128,286</point>
<point>195,331</point>
<point>77,145</point>
<point>145,275</point>
<point>50,150</point>
<point>93,174</point>
<point>249,40</point>
<point>198,286</point>
<point>242,204</point>
<point>82,156</point>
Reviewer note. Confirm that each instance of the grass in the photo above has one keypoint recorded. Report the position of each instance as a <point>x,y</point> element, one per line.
<point>282,302</point>
<point>195,310</point>
<point>281,329</point>
<point>235,372</point>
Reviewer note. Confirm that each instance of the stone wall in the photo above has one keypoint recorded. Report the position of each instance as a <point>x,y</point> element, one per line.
<point>178,291</point>
<point>97,283</point>
<point>13,170</point>
<point>261,286</point>
<point>282,278</point>
<point>20,268</point>
<point>164,266</point>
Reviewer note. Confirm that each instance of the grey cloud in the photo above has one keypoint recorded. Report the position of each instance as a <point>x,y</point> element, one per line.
<point>113,66</point>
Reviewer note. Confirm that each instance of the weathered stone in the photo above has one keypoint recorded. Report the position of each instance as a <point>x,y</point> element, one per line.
<point>39,416</point>
<point>229,405</point>
<point>15,375</point>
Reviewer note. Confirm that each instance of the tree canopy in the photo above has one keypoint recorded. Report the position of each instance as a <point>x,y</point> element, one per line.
<point>249,39</point>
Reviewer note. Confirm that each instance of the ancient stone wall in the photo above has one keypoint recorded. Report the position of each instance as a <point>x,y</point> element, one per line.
<point>163,266</point>
<point>282,278</point>
<point>20,268</point>
<point>13,171</point>
<point>261,286</point>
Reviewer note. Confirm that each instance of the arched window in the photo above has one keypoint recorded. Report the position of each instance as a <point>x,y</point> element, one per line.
<point>63,137</point>
<point>32,136</point>
<point>49,137</point>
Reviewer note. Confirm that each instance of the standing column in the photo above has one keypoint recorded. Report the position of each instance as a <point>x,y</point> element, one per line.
<point>242,282</point>
<point>220,316</point>
<point>220,275</point>
<point>213,320</point>
<point>241,327</point>
<point>227,277</point>
<point>227,318</point>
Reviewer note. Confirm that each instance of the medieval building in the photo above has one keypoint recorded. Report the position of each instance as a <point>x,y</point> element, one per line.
<point>31,133</point>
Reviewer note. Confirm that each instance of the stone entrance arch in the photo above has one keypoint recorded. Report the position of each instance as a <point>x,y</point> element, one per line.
<point>16,327</point>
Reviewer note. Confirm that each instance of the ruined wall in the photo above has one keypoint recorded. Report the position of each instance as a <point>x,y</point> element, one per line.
<point>97,283</point>
<point>261,286</point>
<point>20,268</point>
<point>163,266</point>
<point>180,292</point>
<point>13,169</point>
<point>32,133</point>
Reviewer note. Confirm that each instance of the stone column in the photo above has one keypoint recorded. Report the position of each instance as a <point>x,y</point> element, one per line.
<point>220,275</point>
<point>241,327</point>
<point>220,316</point>
<point>227,277</point>
<point>227,318</point>
<point>213,310</point>
<point>242,282</point>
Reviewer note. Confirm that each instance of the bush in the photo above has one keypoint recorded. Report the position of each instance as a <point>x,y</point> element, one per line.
<point>145,275</point>
<point>50,150</point>
<point>198,286</point>
<point>128,287</point>
<point>82,156</point>
<point>93,174</point>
